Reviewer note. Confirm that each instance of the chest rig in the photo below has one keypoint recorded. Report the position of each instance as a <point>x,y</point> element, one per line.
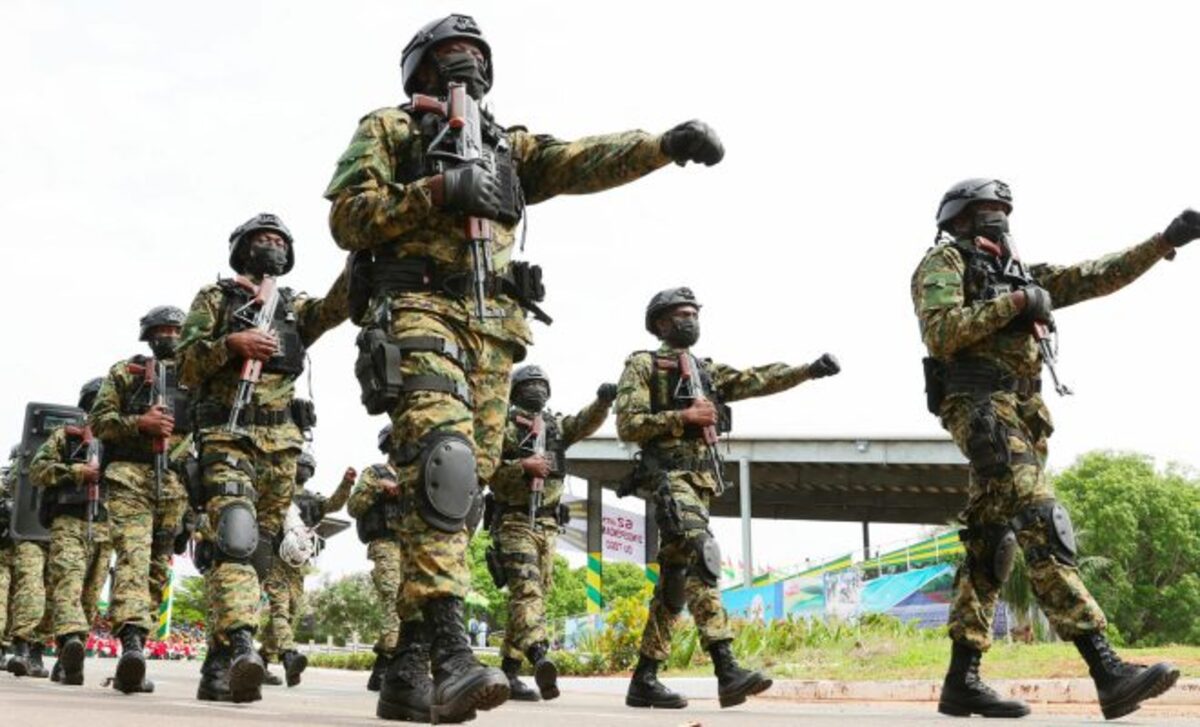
<point>141,397</point>
<point>555,447</point>
<point>667,392</point>
<point>239,316</point>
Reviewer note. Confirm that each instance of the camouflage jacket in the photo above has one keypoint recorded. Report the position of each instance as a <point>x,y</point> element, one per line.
<point>952,325</point>
<point>369,488</point>
<point>378,205</point>
<point>53,466</point>
<point>663,430</point>
<point>213,373</point>
<point>510,484</point>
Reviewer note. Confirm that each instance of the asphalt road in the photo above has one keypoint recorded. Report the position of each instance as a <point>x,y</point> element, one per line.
<point>330,697</point>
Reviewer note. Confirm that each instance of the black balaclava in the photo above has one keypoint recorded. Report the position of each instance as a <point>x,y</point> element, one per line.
<point>532,395</point>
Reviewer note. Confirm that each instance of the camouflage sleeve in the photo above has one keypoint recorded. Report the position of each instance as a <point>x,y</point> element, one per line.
<point>48,468</point>
<point>509,469</point>
<point>549,166</point>
<point>369,206</point>
<point>106,417</point>
<point>635,420</point>
<point>585,423</point>
<point>201,352</point>
<point>947,324</point>
<point>339,497</point>
<point>1094,278</point>
<point>363,494</point>
<point>315,316</point>
<point>733,384</point>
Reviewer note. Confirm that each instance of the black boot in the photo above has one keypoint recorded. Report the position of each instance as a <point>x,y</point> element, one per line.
<point>245,667</point>
<point>18,662</point>
<point>406,692</point>
<point>56,672</point>
<point>461,684</point>
<point>36,668</point>
<point>545,673</point>
<point>270,678</point>
<point>71,654</point>
<point>378,669</point>
<point>1122,686</point>
<point>646,691</point>
<point>294,664</point>
<point>517,690</point>
<point>3,658</point>
<point>964,693</point>
<point>131,668</point>
<point>734,683</point>
<point>214,676</point>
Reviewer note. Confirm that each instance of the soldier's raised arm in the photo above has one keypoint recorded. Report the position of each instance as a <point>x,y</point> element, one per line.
<point>315,316</point>
<point>340,495</point>
<point>579,426</point>
<point>734,384</point>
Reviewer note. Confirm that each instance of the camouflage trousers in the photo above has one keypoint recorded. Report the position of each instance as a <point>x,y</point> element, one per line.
<point>30,617</point>
<point>679,558</point>
<point>435,561</point>
<point>233,589</point>
<point>1010,490</point>
<point>284,587</point>
<point>6,559</point>
<point>76,564</point>
<point>528,556</point>
<point>386,570</point>
<point>142,533</point>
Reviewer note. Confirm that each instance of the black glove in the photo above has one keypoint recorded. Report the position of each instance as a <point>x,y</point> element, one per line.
<point>471,190</point>
<point>827,365</point>
<point>1184,228</point>
<point>607,392</point>
<point>1038,306</point>
<point>693,141</point>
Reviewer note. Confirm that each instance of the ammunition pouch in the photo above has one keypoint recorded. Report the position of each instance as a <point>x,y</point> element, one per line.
<point>381,380</point>
<point>495,567</point>
<point>999,548</point>
<point>935,384</point>
<point>1060,533</point>
<point>304,414</point>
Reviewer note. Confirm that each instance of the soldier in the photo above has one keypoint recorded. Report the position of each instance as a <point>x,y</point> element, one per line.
<point>673,406</point>
<point>373,504</point>
<point>248,464</point>
<point>7,485</point>
<point>441,304</point>
<point>68,466</point>
<point>28,622</point>
<point>983,317</point>
<point>523,529</point>
<point>146,500</point>
<point>284,585</point>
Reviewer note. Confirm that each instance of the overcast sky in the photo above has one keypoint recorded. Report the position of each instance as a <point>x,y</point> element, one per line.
<point>135,135</point>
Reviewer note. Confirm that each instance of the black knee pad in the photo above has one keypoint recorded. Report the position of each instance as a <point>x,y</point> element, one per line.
<point>1059,532</point>
<point>237,534</point>
<point>707,564</point>
<point>449,485</point>
<point>999,549</point>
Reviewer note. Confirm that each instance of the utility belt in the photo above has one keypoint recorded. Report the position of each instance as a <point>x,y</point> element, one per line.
<point>651,464</point>
<point>973,376</point>
<point>378,369</point>
<point>76,510</point>
<point>214,415</point>
<point>560,513</point>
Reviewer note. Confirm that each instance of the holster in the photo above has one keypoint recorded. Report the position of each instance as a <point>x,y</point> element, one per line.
<point>495,567</point>
<point>935,384</point>
<point>304,414</point>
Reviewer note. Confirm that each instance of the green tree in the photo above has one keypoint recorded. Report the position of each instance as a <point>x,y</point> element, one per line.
<point>621,580</point>
<point>341,608</point>
<point>188,604</point>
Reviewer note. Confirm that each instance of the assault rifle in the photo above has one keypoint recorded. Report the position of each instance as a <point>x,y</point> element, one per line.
<point>537,485</point>
<point>691,388</point>
<point>1016,271</point>
<point>92,508</point>
<point>460,142</point>
<point>158,395</point>
<point>266,296</point>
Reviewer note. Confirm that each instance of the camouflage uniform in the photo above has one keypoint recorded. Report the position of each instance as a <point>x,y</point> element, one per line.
<point>28,613</point>
<point>6,557</point>
<point>143,524</point>
<point>526,550</point>
<point>75,559</point>
<point>959,324</point>
<point>383,203</point>
<point>284,586</point>
<point>257,469</point>
<point>383,550</point>
<point>646,415</point>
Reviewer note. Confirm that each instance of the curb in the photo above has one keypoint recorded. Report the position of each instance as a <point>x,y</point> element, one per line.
<point>1061,691</point>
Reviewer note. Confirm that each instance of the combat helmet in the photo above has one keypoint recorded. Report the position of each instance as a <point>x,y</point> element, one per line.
<point>530,372</point>
<point>665,299</point>
<point>305,462</point>
<point>160,315</point>
<point>87,394</point>
<point>434,32</point>
<point>956,199</point>
<point>241,235</point>
<point>385,439</point>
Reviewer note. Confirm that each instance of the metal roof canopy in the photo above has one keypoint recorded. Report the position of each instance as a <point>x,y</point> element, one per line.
<point>921,480</point>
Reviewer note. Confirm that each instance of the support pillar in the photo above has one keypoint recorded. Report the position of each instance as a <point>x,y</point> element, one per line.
<point>744,487</point>
<point>651,545</point>
<point>595,547</point>
<point>866,540</point>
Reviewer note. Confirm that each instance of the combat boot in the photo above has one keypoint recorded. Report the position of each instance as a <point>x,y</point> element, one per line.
<point>517,689</point>
<point>734,684</point>
<point>378,669</point>
<point>214,676</point>
<point>461,684</point>
<point>645,690</point>
<point>70,660</point>
<point>131,668</point>
<point>56,672</point>
<point>36,668</point>
<point>964,693</point>
<point>18,662</point>
<point>245,667</point>
<point>1122,686</point>
<point>545,673</point>
<point>294,664</point>
<point>406,691</point>
<point>3,658</point>
<point>270,678</point>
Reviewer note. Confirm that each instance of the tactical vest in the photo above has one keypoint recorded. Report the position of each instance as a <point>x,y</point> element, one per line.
<point>373,525</point>
<point>310,505</point>
<point>664,391</point>
<point>289,359</point>
<point>556,447</point>
<point>69,497</point>
<point>984,278</point>
<point>139,402</point>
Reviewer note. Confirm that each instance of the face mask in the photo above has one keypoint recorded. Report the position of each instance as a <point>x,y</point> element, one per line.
<point>163,347</point>
<point>683,333</point>
<point>303,474</point>
<point>992,224</point>
<point>532,396</point>
<point>266,259</point>
<point>464,68</point>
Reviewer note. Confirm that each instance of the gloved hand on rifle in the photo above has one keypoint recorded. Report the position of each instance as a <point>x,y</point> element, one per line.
<point>702,413</point>
<point>252,344</point>
<point>470,189</point>
<point>536,466</point>
<point>83,473</point>
<point>1184,228</point>
<point>827,365</point>
<point>693,141</point>
<point>156,422</point>
<point>1038,306</point>
<point>607,392</point>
